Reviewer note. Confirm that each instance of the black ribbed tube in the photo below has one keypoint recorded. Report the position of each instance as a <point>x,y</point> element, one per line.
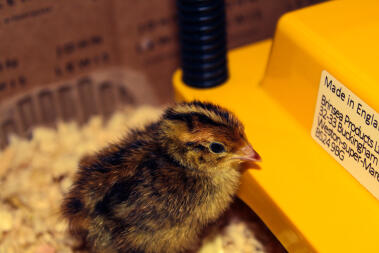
<point>202,34</point>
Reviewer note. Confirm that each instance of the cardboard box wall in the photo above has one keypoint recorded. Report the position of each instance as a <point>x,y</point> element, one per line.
<point>68,60</point>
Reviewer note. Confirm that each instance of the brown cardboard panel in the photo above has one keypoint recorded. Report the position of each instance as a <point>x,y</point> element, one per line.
<point>147,37</point>
<point>249,21</point>
<point>101,92</point>
<point>252,20</point>
<point>297,4</point>
<point>56,57</point>
<point>45,41</point>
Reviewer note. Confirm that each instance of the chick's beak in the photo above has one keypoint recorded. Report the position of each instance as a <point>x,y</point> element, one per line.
<point>247,153</point>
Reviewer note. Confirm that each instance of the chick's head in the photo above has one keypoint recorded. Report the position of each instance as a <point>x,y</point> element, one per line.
<point>205,137</point>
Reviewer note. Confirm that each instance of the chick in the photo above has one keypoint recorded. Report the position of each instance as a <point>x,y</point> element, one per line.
<point>158,187</point>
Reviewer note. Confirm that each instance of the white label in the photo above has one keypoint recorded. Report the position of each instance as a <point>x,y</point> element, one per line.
<point>348,129</point>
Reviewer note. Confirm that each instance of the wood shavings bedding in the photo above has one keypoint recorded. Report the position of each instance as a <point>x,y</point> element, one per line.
<point>34,175</point>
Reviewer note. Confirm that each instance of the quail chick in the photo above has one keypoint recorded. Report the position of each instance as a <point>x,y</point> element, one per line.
<point>155,190</point>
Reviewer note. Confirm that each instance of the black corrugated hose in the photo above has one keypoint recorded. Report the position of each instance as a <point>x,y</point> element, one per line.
<point>202,33</point>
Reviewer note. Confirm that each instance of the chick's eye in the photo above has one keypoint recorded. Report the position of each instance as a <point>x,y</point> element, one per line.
<point>216,147</point>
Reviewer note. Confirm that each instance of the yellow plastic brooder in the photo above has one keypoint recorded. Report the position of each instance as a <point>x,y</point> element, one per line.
<point>308,200</point>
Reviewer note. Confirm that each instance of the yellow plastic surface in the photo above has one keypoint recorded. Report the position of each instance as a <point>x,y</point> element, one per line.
<point>308,200</point>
